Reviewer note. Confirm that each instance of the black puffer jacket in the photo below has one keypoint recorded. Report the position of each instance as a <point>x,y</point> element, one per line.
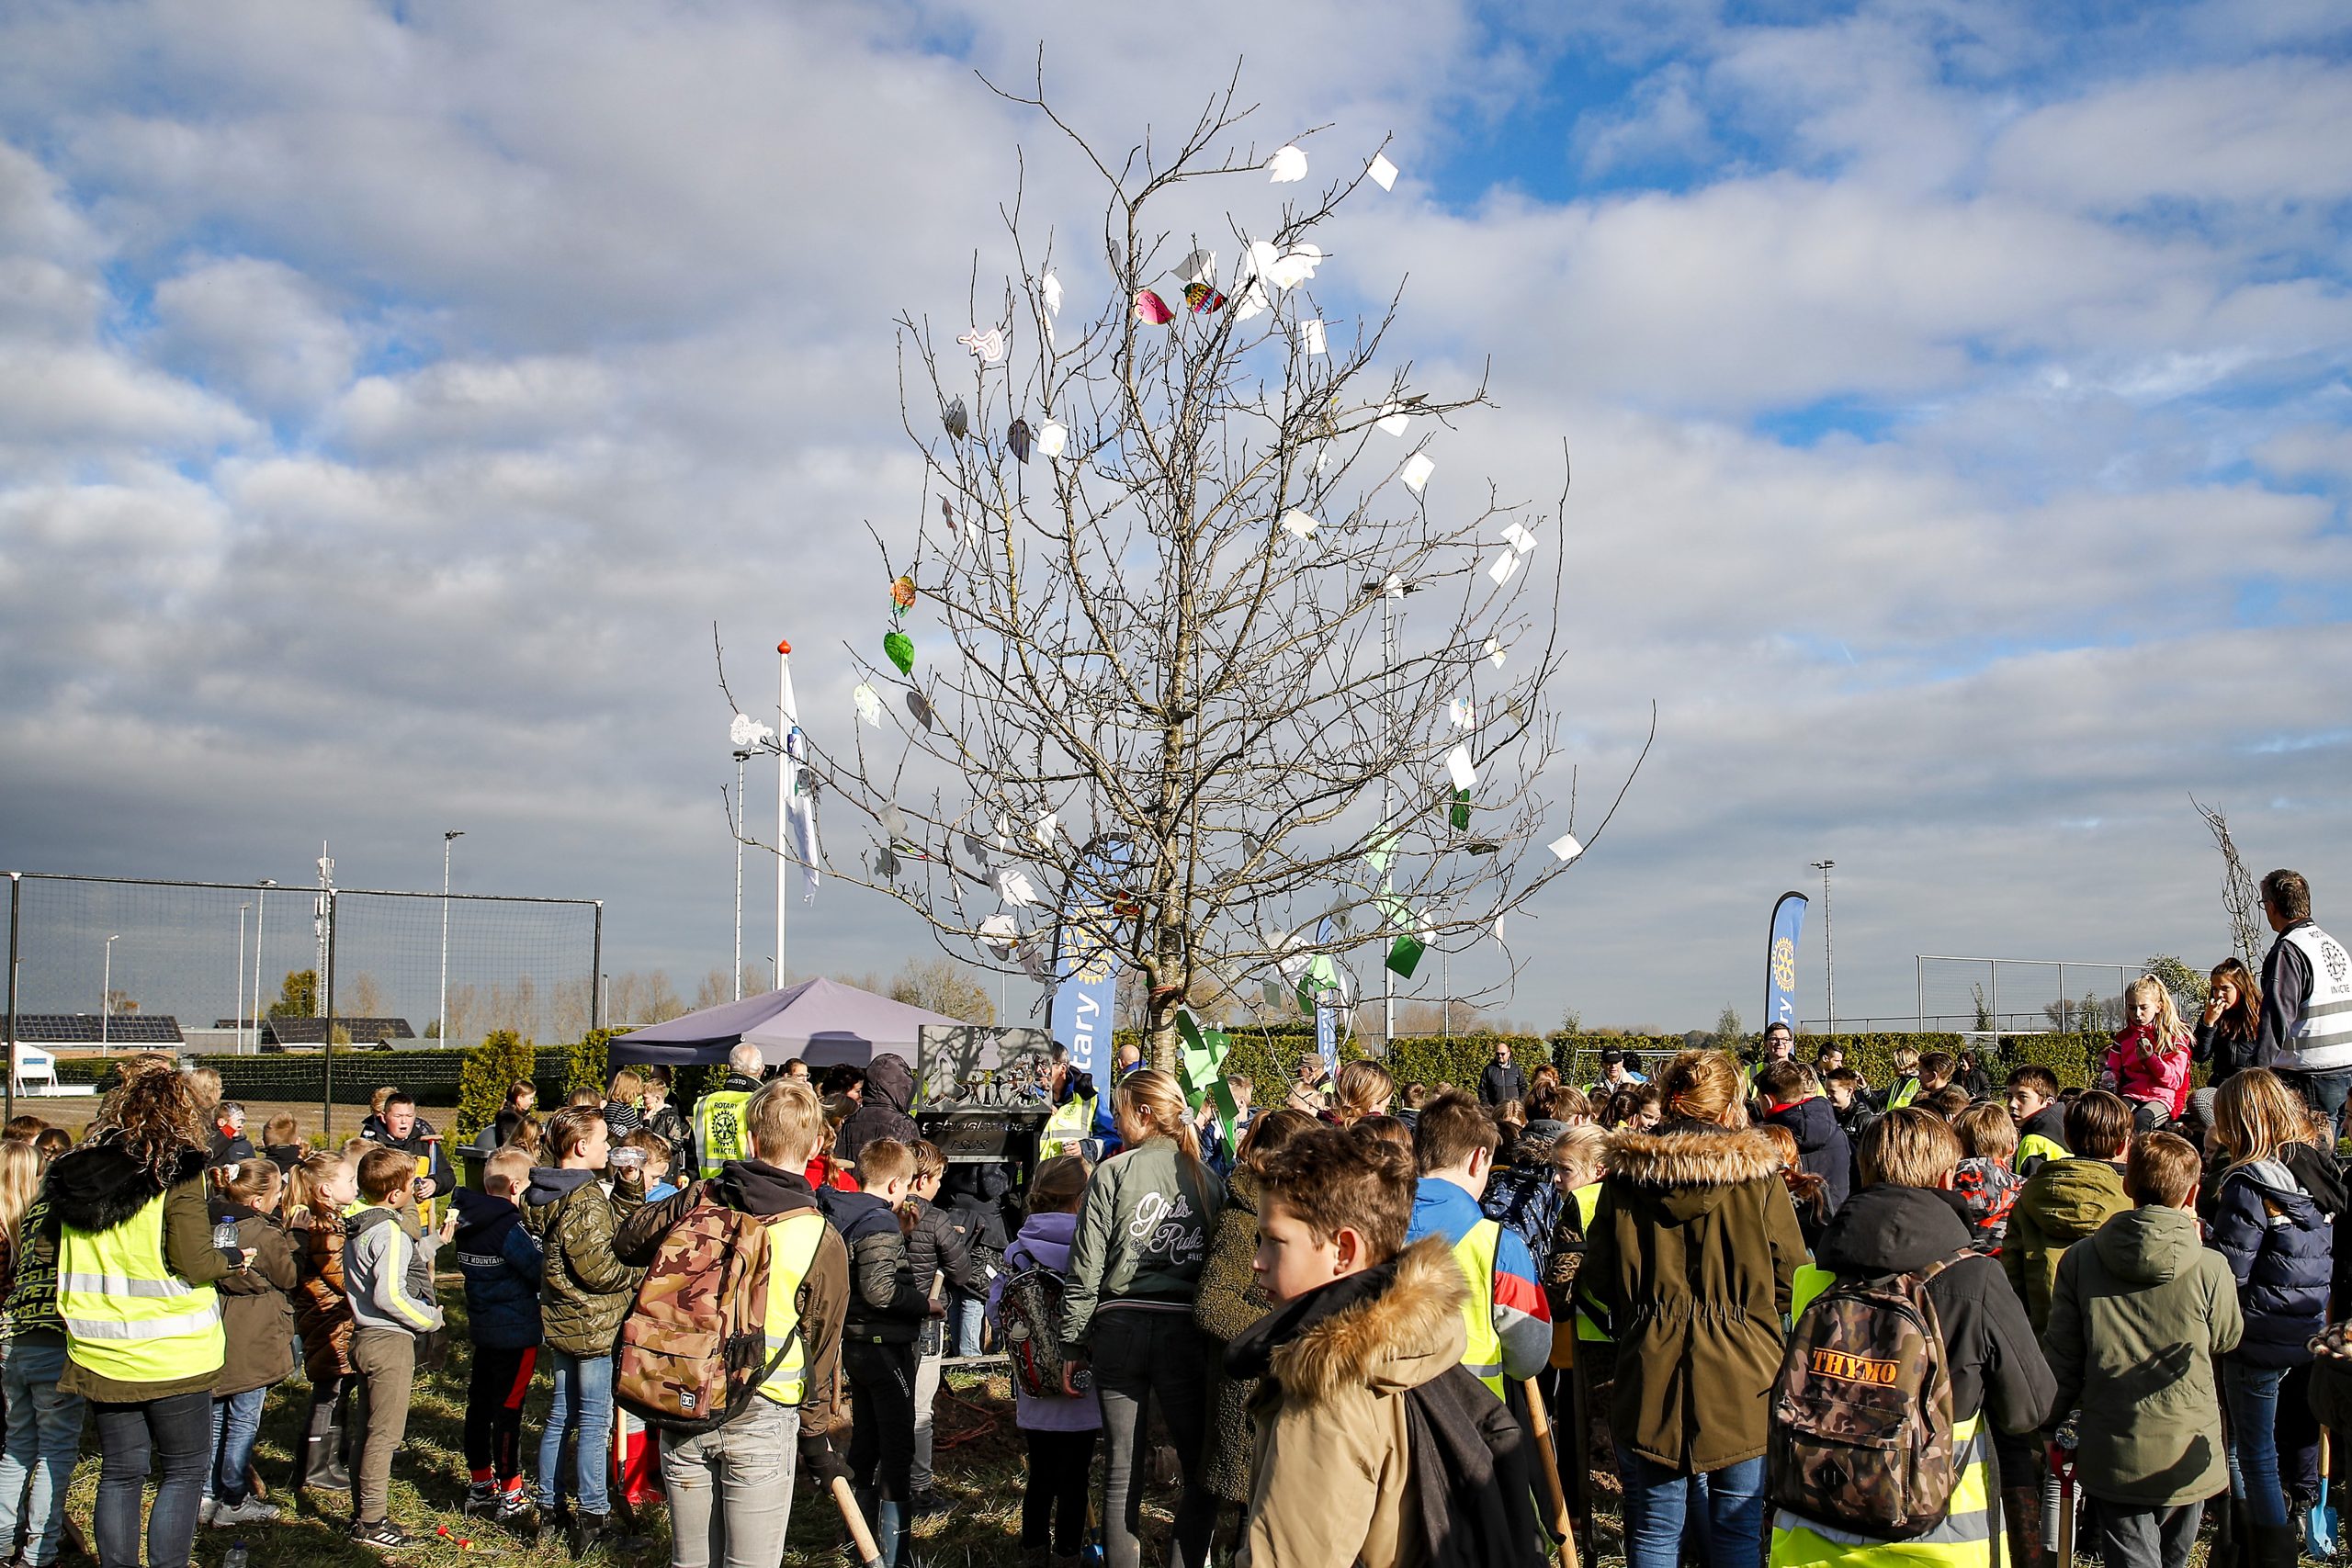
<point>2281,1249</point>
<point>1822,1148</point>
<point>936,1248</point>
<point>885,1305</point>
<point>889,1094</point>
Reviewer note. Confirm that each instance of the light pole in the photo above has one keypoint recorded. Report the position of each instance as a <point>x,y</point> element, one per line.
<point>105,994</point>
<point>448,838</point>
<point>1391,588</point>
<point>241,977</point>
<point>1828,944</point>
<point>742,757</point>
<point>261,909</point>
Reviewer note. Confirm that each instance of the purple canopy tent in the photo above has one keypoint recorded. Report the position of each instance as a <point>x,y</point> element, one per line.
<point>821,1021</point>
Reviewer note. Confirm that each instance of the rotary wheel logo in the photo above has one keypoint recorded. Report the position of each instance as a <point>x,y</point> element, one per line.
<point>2334,953</point>
<point>1784,963</point>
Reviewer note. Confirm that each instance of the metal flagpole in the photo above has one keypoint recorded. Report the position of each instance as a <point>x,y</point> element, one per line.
<point>782,802</point>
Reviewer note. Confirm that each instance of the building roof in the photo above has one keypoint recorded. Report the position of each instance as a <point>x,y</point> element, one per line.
<point>313,1030</point>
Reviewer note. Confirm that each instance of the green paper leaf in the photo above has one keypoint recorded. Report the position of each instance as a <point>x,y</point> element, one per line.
<point>1405,956</point>
<point>1460,813</point>
<point>901,649</point>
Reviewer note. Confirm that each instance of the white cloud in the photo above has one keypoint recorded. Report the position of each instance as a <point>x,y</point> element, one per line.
<point>257,328</point>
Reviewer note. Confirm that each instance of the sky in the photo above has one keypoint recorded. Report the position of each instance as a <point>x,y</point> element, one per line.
<point>393,396</point>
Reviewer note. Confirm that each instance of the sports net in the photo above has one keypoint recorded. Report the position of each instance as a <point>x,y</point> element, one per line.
<point>2020,994</point>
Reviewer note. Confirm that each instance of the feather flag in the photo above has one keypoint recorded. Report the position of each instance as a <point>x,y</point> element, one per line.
<point>798,785</point>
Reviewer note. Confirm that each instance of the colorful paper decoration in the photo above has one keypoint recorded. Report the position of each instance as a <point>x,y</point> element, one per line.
<point>1017,436</point>
<point>956,418</point>
<point>1459,814</point>
<point>901,649</point>
<point>902,595</point>
<point>1405,956</point>
<point>1152,309</point>
<point>1463,713</point>
<point>1287,166</point>
<point>1203,298</point>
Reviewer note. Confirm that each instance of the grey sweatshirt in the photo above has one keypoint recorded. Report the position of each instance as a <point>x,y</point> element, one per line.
<point>388,1271</point>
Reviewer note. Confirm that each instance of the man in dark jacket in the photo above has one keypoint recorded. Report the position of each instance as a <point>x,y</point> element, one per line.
<point>1792,1101</point>
<point>2306,1029</point>
<point>1501,1082</point>
<point>739,1478</point>
<point>1905,1219</point>
<point>889,1094</point>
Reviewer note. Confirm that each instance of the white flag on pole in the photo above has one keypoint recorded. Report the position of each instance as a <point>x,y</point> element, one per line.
<point>799,792</point>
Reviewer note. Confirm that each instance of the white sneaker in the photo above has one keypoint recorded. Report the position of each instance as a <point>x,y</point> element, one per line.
<point>251,1511</point>
<point>205,1509</point>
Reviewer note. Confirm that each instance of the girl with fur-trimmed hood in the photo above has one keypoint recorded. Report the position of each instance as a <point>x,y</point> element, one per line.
<point>1693,1249</point>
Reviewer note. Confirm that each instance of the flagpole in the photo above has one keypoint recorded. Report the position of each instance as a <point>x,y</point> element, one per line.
<point>783,800</point>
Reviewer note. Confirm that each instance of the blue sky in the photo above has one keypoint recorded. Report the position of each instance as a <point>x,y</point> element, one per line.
<point>1959,398</point>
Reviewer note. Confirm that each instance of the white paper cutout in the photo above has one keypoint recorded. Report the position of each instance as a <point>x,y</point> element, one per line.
<point>1198,267</point>
<point>1416,472</point>
<point>1311,336</point>
<point>1566,847</point>
<point>1012,885</point>
<point>1296,265</point>
<point>1250,301</point>
<point>1505,564</point>
<point>1288,164</point>
<point>987,346</point>
<point>1499,931</point>
<point>1052,436</point>
<point>1393,586</point>
<point>1382,171</point>
<point>1322,459</point>
<point>1001,934</point>
<point>1461,769</point>
<point>869,703</point>
<point>1050,289</point>
<point>748,734</point>
<point>1495,651</point>
<point>1043,831</point>
<point>1520,539</point>
<point>1393,418</point>
<point>1299,523</point>
<point>1462,713</point>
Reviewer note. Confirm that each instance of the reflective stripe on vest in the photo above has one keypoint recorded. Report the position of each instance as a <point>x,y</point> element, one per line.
<point>2037,1147</point>
<point>1902,1093</point>
<point>1072,1121</point>
<point>720,1133</point>
<point>1967,1535</point>
<point>2322,1032</point>
<point>127,1315</point>
<point>792,1251</point>
<point>1484,1353</point>
<point>1588,1200</point>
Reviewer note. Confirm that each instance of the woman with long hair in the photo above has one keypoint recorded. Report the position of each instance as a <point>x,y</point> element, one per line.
<point>2226,1031</point>
<point>1694,1250</point>
<point>1230,1300</point>
<point>1361,1089</point>
<point>1143,1235</point>
<point>44,1432</point>
<point>2280,1246</point>
<point>136,1269</point>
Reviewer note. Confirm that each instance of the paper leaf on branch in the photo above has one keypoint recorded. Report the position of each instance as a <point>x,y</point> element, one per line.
<point>1404,956</point>
<point>976,851</point>
<point>1198,267</point>
<point>1012,885</point>
<point>748,734</point>
<point>1049,288</point>
<point>1299,523</point>
<point>1001,935</point>
<point>986,344</point>
<point>1322,459</point>
<point>1462,712</point>
<point>894,824</point>
<point>1287,166</point>
<point>1461,769</point>
<point>886,864</point>
<point>1046,827</point>
<point>1505,564</point>
<point>901,649</point>
<point>1382,171</point>
<point>919,707</point>
<point>1416,472</point>
<point>1152,309</point>
<point>1203,298</point>
<point>869,703</point>
<point>1258,258</point>
<point>1311,337</point>
<point>1519,539</point>
<point>1296,265</point>
<point>1017,436</point>
<point>1252,302</point>
<point>956,418</point>
<point>1052,437</point>
<point>1393,418</point>
<point>1393,586</point>
<point>1459,816</point>
<point>902,592</point>
<point>1499,931</point>
<point>1565,847</point>
<point>1495,651</point>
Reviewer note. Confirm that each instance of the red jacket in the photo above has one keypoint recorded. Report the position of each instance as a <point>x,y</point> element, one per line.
<point>2143,1071</point>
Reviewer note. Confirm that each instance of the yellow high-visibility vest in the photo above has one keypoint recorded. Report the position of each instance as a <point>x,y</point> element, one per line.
<point>127,1315</point>
<point>1587,1200</point>
<point>792,1252</point>
<point>1483,1352</point>
<point>1071,1122</point>
<point>1968,1537</point>
<point>721,1133</point>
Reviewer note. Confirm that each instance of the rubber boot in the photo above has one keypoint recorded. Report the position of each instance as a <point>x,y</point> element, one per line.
<point>890,1519</point>
<point>2022,1515</point>
<point>2276,1546</point>
<point>320,1470</point>
<point>340,1444</point>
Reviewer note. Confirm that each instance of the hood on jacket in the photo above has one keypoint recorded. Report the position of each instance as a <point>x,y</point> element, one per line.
<point>1694,1165</point>
<point>98,1188</point>
<point>756,1187</point>
<point>366,1219</point>
<point>2316,1172</point>
<point>1893,1230</point>
<point>482,1221</point>
<point>890,1080</point>
<point>1052,1228</point>
<point>2072,1197</point>
<point>1814,1121</point>
<point>552,1184</point>
<point>857,1214</point>
<point>2277,1183</point>
<point>1389,1329</point>
<point>2149,1245</point>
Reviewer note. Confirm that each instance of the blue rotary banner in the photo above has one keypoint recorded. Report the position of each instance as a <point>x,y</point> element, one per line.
<point>1086,964</point>
<point>1780,961</point>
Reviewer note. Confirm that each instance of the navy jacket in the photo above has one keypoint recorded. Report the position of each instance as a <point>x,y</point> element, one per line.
<point>501,1260</point>
<point>2281,1248</point>
<point>1822,1148</point>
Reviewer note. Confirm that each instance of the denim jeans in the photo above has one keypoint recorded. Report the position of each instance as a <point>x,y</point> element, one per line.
<point>1143,1357</point>
<point>1729,1512</point>
<point>236,1427</point>
<point>964,1314</point>
<point>2252,1394</point>
<point>584,1406</point>
<point>44,1438</point>
<point>2324,1092</point>
<point>731,1491</point>
<point>174,1433</point>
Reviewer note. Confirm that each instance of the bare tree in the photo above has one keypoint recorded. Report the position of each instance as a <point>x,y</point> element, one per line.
<point>363,998</point>
<point>2240,897</point>
<point>944,987</point>
<point>1202,664</point>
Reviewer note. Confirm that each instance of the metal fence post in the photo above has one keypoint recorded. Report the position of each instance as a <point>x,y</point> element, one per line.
<point>15,909</point>
<point>596,973</point>
<point>326,1055</point>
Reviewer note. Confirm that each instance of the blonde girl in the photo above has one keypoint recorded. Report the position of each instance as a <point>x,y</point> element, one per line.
<point>318,1192</point>
<point>44,1432</point>
<point>1143,1233</point>
<point>20,1169</point>
<point>1362,1089</point>
<point>2148,1065</point>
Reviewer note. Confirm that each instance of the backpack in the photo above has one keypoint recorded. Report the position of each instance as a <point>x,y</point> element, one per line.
<point>1861,1411</point>
<point>693,1346</point>
<point>1028,1318</point>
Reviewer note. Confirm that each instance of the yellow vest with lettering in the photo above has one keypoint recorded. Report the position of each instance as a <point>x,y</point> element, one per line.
<point>1483,1352</point>
<point>127,1315</point>
<point>793,1241</point>
<point>1071,1122</point>
<point>720,1133</point>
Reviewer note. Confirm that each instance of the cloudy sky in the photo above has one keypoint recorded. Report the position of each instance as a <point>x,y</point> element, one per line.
<point>393,395</point>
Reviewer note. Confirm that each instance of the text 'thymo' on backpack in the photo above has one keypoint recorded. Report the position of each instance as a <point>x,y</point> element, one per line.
<point>1861,1411</point>
<point>694,1348</point>
<point>1029,1319</point>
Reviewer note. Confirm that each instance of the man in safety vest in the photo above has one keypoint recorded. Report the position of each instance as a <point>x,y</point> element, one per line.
<point>808,1297</point>
<point>1507,1320</point>
<point>1780,1045</point>
<point>721,1132</point>
<point>2306,1031</point>
<point>1072,1121</point>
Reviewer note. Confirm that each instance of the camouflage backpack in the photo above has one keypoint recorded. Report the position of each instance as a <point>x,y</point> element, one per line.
<point>693,1346</point>
<point>1861,1411</point>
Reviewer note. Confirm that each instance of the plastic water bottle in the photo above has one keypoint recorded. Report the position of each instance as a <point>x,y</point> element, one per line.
<point>236,1558</point>
<point>224,1238</point>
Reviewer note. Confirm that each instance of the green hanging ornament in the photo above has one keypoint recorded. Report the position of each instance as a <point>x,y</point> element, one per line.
<point>1404,956</point>
<point>901,649</point>
<point>1461,812</point>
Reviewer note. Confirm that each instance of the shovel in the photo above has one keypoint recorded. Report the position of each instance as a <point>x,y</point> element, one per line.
<point>853,1517</point>
<point>2066,1524</point>
<point>2321,1526</point>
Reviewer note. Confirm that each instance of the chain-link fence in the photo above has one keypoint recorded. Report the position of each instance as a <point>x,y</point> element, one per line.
<point>110,963</point>
<point>2019,995</point>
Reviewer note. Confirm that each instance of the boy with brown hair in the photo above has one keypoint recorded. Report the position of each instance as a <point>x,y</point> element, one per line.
<point>2041,1119</point>
<point>501,1262</point>
<point>1454,1140</point>
<point>1792,1098</point>
<point>885,1314</point>
<point>2136,1317</point>
<point>1369,1428</point>
<point>387,1276</point>
<point>2066,1199</point>
<point>937,1253</point>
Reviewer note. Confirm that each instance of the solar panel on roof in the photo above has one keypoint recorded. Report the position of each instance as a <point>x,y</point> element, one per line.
<point>85,1028</point>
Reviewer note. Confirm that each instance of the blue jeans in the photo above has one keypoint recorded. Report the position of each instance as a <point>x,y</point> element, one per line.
<point>2324,1092</point>
<point>584,1407</point>
<point>166,1435</point>
<point>44,1437</point>
<point>2252,1393</point>
<point>236,1427</point>
<point>1729,1512</point>
<point>964,1324</point>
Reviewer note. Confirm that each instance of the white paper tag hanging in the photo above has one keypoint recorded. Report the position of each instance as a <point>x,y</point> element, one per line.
<point>1052,437</point>
<point>1416,472</point>
<point>1393,418</point>
<point>1519,539</point>
<point>1001,934</point>
<point>1566,847</point>
<point>1299,523</point>
<point>1505,564</point>
<point>1310,337</point>
<point>1286,166</point>
<point>1012,885</point>
<point>1461,769</point>
<point>1382,171</point>
<point>869,703</point>
<point>1049,288</point>
<point>1462,713</point>
<point>1495,651</point>
<point>1043,831</point>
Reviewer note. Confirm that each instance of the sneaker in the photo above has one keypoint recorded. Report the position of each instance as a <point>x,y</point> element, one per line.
<point>515,1512</point>
<point>482,1497</point>
<point>927,1501</point>
<point>205,1509</point>
<point>251,1511</point>
<point>382,1534</point>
